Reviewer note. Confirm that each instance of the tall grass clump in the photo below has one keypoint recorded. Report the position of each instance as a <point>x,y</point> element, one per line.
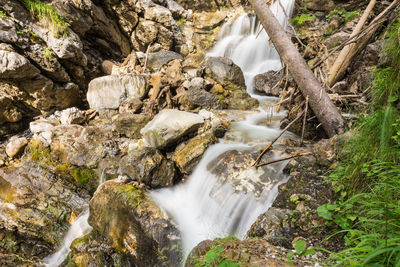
<point>367,179</point>
<point>47,15</point>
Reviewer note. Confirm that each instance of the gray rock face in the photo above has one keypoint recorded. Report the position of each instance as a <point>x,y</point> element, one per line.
<point>224,71</point>
<point>158,59</point>
<point>147,165</point>
<point>169,126</point>
<point>8,32</point>
<point>108,92</point>
<point>266,82</point>
<point>15,66</point>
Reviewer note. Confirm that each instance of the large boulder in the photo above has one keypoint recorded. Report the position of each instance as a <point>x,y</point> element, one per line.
<point>147,165</point>
<point>229,83</point>
<point>108,92</point>
<point>168,126</point>
<point>188,154</point>
<point>35,205</point>
<point>233,167</point>
<point>225,72</point>
<point>134,225</point>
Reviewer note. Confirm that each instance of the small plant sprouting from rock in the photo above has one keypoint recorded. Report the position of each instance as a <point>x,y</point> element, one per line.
<point>48,54</point>
<point>2,14</point>
<point>47,15</point>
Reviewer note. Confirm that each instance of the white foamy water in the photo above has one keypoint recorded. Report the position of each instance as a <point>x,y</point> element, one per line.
<point>202,207</point>
<point>79,228</point>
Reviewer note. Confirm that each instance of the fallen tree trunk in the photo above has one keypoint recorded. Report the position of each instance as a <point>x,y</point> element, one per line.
<point>319,101</point>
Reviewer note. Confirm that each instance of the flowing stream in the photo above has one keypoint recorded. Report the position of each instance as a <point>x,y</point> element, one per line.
<point>203,207</point>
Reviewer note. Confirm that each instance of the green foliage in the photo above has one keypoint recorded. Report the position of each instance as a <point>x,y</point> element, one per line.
<point>181,21</point>
<point>302,20</point>
<point>347,16</point>
<point>48,54</point>
<point>3,14</point>
<point>47,15</point>
<point>367,181</point>
<point>215,257</point>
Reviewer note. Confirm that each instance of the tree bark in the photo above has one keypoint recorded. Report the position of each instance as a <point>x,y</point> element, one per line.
<point>319,101</point>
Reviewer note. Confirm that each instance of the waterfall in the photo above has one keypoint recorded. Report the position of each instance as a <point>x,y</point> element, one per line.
<point>78,228</point>
<point>203,207</point>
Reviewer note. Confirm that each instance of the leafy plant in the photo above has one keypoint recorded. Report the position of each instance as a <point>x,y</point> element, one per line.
<point>301,250</point>
<point>47,15</point>
<point>2,14</point>
<point>367,181</point>
<point>302,20</point>
<point>48,54</point>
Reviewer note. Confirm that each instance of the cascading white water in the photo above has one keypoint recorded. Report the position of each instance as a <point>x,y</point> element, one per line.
<point>78,228</point>
<point>199,212</point>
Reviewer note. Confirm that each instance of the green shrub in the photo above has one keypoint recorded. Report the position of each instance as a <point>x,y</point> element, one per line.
<point>367,180</point>
<point>47,15</point>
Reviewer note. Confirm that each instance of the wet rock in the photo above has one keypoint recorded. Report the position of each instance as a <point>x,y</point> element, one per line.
<point>233,167</point>
<point>16,146</point>
<point>147,165</point>
<point>272,226</point>
<point>266,82</point>
<point>225,72</point>
<point>188,154</point>
<point>15,66</point>
<point>109,92</point>
<point>200,98</point>
<point>168,126</point>
<point>129,125</point>
<point>133,224</point>
<point>72,116</point>
<point>36,205</point>
<point>230,87</point>
<point>158,59</point>
<point>93,249</point>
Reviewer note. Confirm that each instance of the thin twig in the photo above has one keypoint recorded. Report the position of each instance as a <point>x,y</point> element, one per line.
<point>147,55</point>
<point>283,159</point>
<point>273,141</point>
<point>304,121</point>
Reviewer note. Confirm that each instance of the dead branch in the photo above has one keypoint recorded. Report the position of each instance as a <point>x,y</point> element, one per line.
<point>304,121</point>
<point>276,139</point>
<point>283,159</point>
